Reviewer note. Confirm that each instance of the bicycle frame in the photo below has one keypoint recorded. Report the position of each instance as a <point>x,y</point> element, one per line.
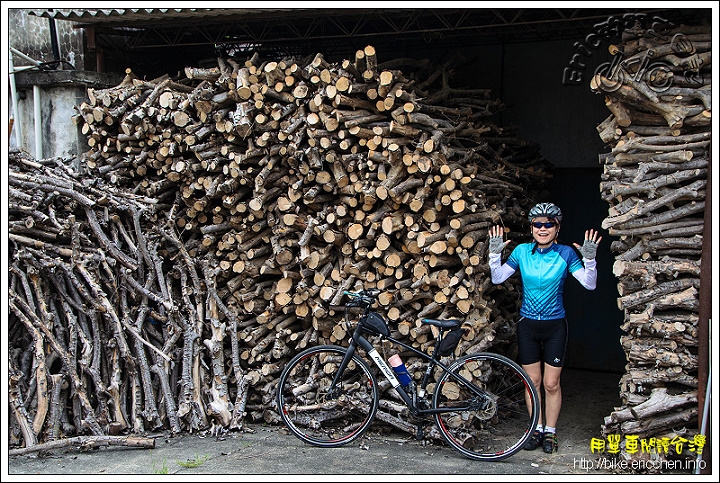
<point>358,339</point>
<point>329,395</point>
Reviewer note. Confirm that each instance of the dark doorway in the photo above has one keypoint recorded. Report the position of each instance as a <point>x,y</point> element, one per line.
<point>593,316</point>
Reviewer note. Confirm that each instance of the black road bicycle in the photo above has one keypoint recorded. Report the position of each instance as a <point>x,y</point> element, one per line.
<point>328,395</point>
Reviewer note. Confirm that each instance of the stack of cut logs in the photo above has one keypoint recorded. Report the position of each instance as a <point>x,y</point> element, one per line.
<point>654,180</point>
<point>219,220</point>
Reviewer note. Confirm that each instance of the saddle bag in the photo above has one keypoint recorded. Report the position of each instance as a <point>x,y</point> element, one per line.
<point>450,341</point>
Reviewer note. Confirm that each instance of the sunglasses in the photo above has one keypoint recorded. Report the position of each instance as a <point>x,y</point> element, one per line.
<point>546,224</point>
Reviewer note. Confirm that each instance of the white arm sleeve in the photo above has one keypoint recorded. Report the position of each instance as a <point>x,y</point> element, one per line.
<point>499,272</point>
<point>586,276</point>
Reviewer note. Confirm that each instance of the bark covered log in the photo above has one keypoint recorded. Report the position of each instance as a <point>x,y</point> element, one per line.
<point>654,183</point>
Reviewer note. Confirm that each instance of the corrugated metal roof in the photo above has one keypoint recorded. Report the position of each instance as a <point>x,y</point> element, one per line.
<point>294,29</point>
<point>143,15</point>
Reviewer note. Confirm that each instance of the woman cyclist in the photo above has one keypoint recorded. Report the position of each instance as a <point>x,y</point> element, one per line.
<point>544,264</point>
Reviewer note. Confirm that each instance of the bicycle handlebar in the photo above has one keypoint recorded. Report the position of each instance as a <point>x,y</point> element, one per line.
<point>363,297</point>
<point>371,292</point>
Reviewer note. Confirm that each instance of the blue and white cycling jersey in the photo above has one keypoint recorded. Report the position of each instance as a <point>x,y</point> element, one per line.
<point>543,275</point>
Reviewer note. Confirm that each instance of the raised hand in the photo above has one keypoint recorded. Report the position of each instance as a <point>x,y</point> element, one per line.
<point>496,243</point>
<point>589,247</point>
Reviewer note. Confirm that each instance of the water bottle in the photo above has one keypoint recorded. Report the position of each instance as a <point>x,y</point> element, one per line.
<point>400,370</point>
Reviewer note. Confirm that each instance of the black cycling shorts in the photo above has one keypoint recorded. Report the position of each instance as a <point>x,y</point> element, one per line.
<point>546,337</point>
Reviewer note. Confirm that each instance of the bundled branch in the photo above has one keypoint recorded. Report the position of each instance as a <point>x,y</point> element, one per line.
<point>220,217</point>
<point>654,182</point>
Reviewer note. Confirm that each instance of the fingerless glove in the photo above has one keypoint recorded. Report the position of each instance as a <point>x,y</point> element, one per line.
<point>496,244</point>
<point>588,249</point>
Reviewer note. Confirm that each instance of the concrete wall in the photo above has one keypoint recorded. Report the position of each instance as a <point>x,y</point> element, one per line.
<point>56,86</point>
<point>57,136</point>
<point>52,133</point>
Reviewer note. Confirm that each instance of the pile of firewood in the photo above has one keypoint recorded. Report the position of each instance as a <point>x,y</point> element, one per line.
<point>219,217</point>
<point>658,91</point>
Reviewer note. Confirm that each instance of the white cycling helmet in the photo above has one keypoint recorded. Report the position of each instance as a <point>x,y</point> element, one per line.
<point>548,210</point>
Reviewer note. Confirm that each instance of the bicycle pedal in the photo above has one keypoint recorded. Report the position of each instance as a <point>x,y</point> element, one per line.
<point>420,435</point>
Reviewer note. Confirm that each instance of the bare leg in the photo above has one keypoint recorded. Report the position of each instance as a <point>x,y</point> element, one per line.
<point>553,394</point>
<point>534,370</point>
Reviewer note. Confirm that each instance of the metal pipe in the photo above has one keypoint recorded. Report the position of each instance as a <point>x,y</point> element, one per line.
<point>704,425</point>
<point>26,57</point>
<point>23,68</point>
<point>38,122</point>
<point>705,312</point>
<point>16,110</point>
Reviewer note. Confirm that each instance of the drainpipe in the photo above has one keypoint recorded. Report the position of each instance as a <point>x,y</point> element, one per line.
<point>16,111</point>
<point>704,319</point>
<point>38,122</point>
<point>36,104</point>
<point>54,40</point>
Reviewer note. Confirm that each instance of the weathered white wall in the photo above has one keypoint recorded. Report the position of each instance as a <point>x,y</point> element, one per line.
<point>60,138</point>
<point>58,93</point>
<point>58,89</point>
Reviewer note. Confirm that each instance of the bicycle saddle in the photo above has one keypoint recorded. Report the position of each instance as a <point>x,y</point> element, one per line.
<point>443,324</point>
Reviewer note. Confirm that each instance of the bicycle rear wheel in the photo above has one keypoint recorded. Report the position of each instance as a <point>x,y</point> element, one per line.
<point>321,415</point>
<point>490,427</point>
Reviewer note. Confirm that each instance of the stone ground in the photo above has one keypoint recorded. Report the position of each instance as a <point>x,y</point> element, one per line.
<point>269,452</point>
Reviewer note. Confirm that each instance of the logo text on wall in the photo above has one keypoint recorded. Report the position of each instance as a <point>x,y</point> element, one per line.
<point>640,68</point>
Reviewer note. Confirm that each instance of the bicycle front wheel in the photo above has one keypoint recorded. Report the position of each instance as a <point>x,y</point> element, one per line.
<point>492,426</point>
<point>314,410</point>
